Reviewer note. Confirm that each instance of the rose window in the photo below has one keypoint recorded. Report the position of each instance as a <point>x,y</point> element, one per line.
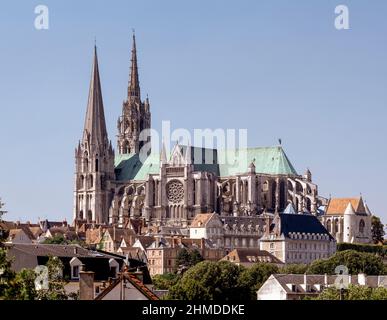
<point>175,192</point>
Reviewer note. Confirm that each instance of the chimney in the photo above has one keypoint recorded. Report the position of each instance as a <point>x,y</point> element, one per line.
<point>75,250</point>
<point>86,285</point>
<point>361,279</point>
<point>325,280</point>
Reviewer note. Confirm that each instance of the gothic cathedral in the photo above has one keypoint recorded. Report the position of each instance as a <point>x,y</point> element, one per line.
<point>172,187</point>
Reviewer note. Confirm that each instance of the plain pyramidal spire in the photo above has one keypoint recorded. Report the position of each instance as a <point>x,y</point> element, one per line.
<point>134,83</point>
<point>95,125</point>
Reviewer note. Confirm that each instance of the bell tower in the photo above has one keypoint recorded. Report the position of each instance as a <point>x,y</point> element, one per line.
<point>136,115</point>
<point>94,159</point>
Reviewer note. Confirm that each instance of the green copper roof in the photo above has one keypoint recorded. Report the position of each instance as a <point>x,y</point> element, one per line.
<point>270,160</point>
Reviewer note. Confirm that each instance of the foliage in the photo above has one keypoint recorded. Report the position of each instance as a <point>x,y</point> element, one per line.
<point>21,285</point>
<point>209,281</point>
<point>188,258</point>
<point>60,239</point>
<point>380,250</point>
<point>221,280</point>
<point>294,269</point>
<point>6,274</point>
<point>165,281</point>
<point>56,282</point>
<point>377,230</point>
<point>354,293</point>
<point>252,279</point>
<point>356,262</point>
<point>56,239</point>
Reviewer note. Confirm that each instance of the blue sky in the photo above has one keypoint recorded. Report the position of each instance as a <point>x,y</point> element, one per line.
<point>278,68</point>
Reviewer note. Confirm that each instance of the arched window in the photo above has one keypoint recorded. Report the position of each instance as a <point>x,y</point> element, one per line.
<point>81,182</point>
<point>265,186</point>
<point>329,226</point>
<point>308,205</point>
<point>91,182</point>
<point>282,195</point>
<point>96,164</point>
<point>361,226</point>
<point>85,164</point>
<point>336,225</point>
<point>273,194</point>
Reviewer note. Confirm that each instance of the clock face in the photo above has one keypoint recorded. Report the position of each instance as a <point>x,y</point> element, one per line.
<point>175,191</point>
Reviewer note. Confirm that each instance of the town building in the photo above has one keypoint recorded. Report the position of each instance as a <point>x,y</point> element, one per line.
<point>300,286</point>
<point>113,238</point>
<point>348,220</point>
<point>297,238</point>
<point>162,253</point>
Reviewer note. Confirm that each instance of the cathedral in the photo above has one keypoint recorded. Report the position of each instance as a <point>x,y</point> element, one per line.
<point>171,187</point>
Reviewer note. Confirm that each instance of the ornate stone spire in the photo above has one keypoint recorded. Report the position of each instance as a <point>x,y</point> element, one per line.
<point>134,83</point>
<point>95,126</point>
<point>94,159</point>
<point>136,115</point>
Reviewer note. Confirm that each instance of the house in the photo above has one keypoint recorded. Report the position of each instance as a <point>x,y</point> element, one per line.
<point>138,249</point>
<point>128,286</point>
<point>162,253</point>
<point>30,232</point>
<point>29,256</point>
<point>112,239</point>
<point>348,220</point>
<point>297,238</point>
<point>250,257</point>
<point>207,226</point>
<point>19,236</point>
<point>299,286</point>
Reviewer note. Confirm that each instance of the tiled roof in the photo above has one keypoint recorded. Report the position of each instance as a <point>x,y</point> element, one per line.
<point>299,279</point>
<point>134,281</point>
<point>201,220</point>
<point>58,250</point>
<point>145,241</point>
<point>252,256</point>
<point>337,206</point>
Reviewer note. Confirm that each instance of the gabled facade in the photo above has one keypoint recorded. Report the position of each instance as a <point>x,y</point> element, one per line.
<point>348,220</point>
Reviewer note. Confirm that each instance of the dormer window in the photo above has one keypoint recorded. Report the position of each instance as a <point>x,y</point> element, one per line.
<point>75,265</point>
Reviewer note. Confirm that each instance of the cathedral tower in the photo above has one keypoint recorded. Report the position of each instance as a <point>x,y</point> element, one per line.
<point>94,159</point>
<point>136,115</point>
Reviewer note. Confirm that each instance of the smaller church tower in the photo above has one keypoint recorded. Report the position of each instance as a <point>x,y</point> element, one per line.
<point>136,115</point>
<point>94,159</point>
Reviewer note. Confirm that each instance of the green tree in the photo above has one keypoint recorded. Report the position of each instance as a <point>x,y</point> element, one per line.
<point>294,269</point>
<point>165,281</point>
<point>377,230</point>
<point>56,282</point>
<point>354,293</point>
<point>56,239</point>
<point>252,279</point>
<point>186,259</point>
<point>356,262</point>
<point>6,274</point>
<point>209,281</point>
<point>22,286</point>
